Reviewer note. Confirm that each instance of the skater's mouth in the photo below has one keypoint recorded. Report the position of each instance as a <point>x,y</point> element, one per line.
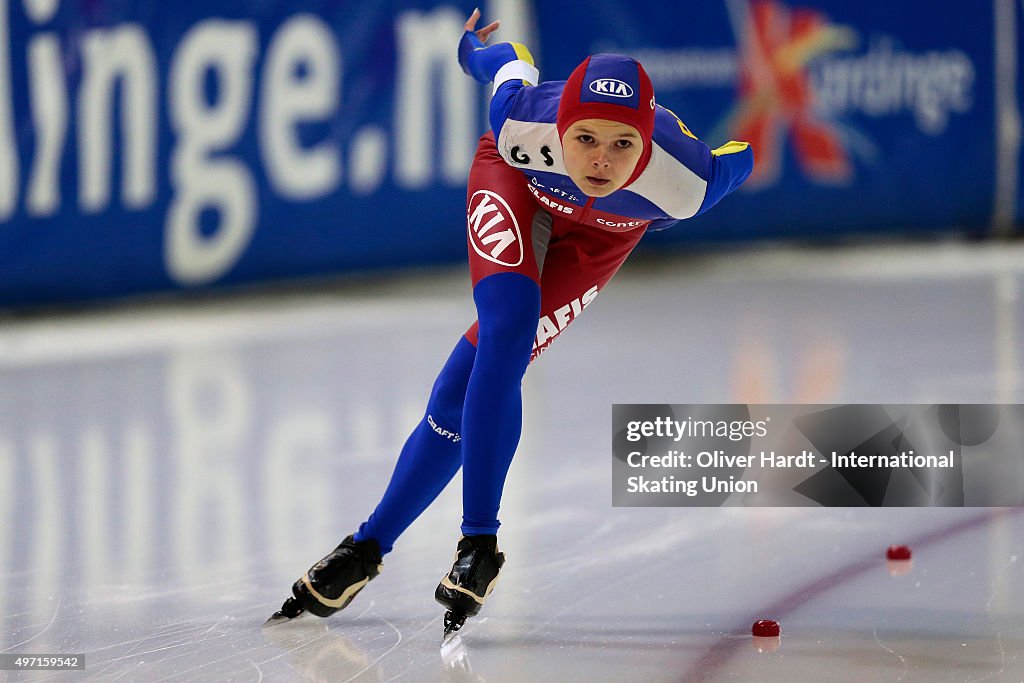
<point>599,182</point>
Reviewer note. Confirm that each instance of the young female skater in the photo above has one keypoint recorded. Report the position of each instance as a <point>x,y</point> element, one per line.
<point>566,182</point>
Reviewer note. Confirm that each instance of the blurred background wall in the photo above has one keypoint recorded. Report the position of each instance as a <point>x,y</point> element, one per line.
<point>151,146</point>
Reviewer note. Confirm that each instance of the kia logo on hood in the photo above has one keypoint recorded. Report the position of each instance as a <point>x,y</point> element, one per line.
<point>612,87</point>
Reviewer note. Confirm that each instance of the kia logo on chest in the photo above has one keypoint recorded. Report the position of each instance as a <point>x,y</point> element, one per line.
<point>612,87</point>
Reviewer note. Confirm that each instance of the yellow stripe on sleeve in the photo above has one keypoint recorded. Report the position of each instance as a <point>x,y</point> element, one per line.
<point>731,147</point>
<point>682,126</point>
<point>523,53</point>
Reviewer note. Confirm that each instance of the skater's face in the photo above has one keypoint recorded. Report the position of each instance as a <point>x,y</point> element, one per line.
<point>600,155</point>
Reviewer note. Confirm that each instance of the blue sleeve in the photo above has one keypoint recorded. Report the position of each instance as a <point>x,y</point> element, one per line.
<point>509,65</point>
<point>501,104</point>
<point>723,169</point>
<point>728,167</point>
<point>483,62</point>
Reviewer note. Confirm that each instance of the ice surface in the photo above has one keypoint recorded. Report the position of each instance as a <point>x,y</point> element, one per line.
<point>166,472</point>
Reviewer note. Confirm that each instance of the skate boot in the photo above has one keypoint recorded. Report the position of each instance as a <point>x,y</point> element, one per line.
<point>332,583</point>
<point>471,580</point>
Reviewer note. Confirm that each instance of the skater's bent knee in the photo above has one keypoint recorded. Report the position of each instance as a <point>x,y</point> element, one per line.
<point>508,307</point>
<point>507,302</point>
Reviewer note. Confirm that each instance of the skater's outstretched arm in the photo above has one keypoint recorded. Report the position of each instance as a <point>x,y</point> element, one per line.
<point>509,65</point>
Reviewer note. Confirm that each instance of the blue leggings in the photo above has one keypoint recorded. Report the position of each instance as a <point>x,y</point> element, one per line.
<point>473,419</point>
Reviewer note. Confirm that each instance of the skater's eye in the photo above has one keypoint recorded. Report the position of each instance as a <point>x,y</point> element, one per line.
<point>585,139</point>
<point>623,144</point>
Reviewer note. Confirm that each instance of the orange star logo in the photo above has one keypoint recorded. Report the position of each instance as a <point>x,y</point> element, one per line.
<point>775,100</point>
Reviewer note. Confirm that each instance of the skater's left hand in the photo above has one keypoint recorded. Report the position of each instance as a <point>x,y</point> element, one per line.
<point>479,61</point>
<point>482,34</point>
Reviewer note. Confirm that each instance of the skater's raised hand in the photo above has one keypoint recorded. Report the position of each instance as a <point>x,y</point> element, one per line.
<point>483,34</point>
<point>478,60</point>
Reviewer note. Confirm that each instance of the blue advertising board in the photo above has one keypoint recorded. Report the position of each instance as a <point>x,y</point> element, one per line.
<point>149,146</point>
<point>871,116</point>
<point>152,146</point>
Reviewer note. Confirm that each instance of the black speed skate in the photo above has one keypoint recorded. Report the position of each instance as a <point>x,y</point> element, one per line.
<point>472,578</point>
<point>332,583</point>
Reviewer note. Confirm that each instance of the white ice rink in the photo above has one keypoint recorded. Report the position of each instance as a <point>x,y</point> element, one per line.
<point>167,471</point>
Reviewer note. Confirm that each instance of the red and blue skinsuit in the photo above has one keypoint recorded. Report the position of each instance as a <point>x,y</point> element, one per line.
<point>540,251</point>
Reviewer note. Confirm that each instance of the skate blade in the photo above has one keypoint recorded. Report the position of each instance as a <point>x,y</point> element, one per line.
<point>281,618</point>
<point>452,624</point>
<point>290,611</point>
